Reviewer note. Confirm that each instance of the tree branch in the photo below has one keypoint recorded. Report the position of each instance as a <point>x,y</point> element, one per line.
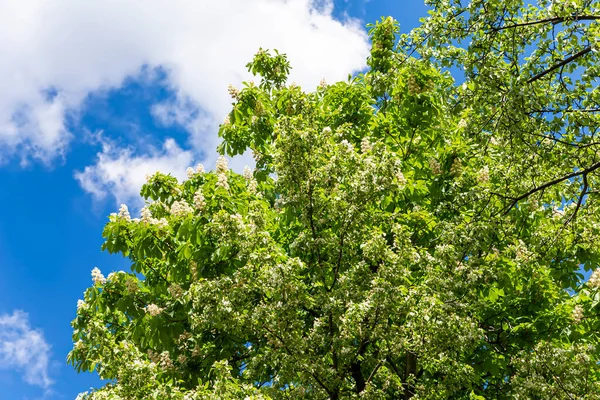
<point>554,20</point>
<point>560,64</point>
<point>546,185</point>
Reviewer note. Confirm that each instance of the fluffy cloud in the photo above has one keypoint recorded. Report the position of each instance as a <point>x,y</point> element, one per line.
<point>24,349</point>
<point>122,172</point>
<point>55,53</point>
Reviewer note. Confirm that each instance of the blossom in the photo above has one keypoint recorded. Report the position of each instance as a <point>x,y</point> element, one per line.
<point>190,172</point>
<point>97,276</point>
<point>222,165</point>
<point>131,285</point>
<point>456,167</point>
<point>181,208</point>
<point>146,214</point>
<point>483,176</point>
<point>233,92</point>
<point>175,290</point>
<point>165,360</point>
<point>462,124</point>
<point>327,130</point>
<point>153,310</point>
<point>401,179</point>
<point>124,213</point>
<point>594,281</point>
<point>435,166</point>
<point>347,145</point>
<point>222,181</point>
<point>323,83</point>
<point>247,173</point>
<point>226,121</point>
<point>577,314</point>
<point>81,305</point>
<point>199,169</point>
<point>194,269</point>
<point>365,145</point>
<point>199,202</point>
<point>161,223</point>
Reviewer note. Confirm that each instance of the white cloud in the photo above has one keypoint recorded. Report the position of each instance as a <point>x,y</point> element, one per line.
<point>55,53</point>
<point>122,172</point>
<point>24,349</point>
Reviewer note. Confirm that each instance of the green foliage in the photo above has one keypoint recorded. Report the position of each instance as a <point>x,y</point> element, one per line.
<point>401,237</point>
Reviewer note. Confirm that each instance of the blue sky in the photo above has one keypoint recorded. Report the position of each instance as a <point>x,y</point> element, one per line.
<point>94,96</point>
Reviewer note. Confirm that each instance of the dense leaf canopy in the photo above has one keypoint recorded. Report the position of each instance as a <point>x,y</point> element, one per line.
<point>402,235</point>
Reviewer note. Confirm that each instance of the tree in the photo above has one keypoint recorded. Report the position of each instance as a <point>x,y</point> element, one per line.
<point>378,250</point>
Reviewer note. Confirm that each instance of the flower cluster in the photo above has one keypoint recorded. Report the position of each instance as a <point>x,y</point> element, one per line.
<point>233,92</point>
<point>153,310</point>
<point>97,277</point>
<point>190,172</point>
<point>577,314</point>
<point>199,201</point>
<point>456,168</point>
<point>483,176</point>
<point>222,169</point>
<point>365,145</point>
<point>435,166</point>
<point>124,213</point>
<point>176,291</point>
<point>594,281</point>
<point>181,208</point>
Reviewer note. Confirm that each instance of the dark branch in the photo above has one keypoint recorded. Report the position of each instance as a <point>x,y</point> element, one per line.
<point>555,20</point>
<point>560,64</point>
<point>551,183</point>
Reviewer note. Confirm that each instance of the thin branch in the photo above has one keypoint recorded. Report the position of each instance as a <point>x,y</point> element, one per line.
<point>560,64</point>
<point>551,183</point>
<point>581,196</point>
<point>555,20</point>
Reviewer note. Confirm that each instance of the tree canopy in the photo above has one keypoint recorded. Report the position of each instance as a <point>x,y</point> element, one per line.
<point>402,235</point>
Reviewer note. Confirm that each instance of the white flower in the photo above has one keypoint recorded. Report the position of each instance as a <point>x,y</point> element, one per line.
<point>199,202</point>
<point>594,280</point>
<point>222,165</point>
<point>190,172</point>
<point>456,167</point>
<point>401,179</point>
<point>435,166</point>
<point>327,130</point>
<point>577,314</point>
<point>323,83</point>
<point>199,169</point>
<point>165,360</point>
<point>248,173</point>
<point>131,285</point>
<point>161,223</point>
<point>181,208</point>
<point>233,92</point>
<point>348,146</point>
<point>226,121</point>
<point>124,213</point>
<point>222,181</point>
<point>153,310</point>
<point>97,276</point>
<point>80,304</point>
<point>365,145</point>
<point>483,176</point>
<point>146,214</point>
<point>462,124</point>
<point>175,290</point>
